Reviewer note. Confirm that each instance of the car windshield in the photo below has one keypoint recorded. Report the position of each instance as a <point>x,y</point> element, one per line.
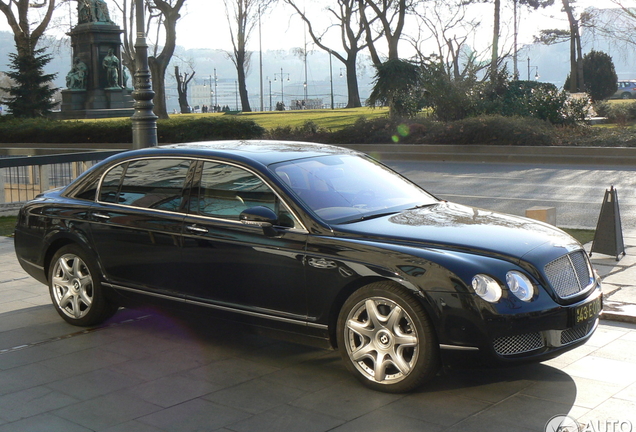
<point>348,188</point>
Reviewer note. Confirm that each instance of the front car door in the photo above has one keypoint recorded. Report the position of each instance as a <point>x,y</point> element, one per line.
<point>234,266</point>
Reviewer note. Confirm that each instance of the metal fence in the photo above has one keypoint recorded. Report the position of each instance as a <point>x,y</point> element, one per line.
<point>23,178</point>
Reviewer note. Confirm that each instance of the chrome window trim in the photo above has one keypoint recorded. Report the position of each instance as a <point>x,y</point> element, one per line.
<point>302,229</point>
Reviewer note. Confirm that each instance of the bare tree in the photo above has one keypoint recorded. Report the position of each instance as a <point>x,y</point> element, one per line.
<point>183,79</point>
<point>346,20</point>
<point>443,21</point>
<point>27,29</point>
<point>390,16</point>
<point>495,54</point>
<point>576,81</point>
<point>161,22</point>
<point>617,25</point>
<point>242,17</point>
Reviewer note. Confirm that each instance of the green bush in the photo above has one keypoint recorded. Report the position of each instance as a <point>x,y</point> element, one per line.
<point>619,113</point>
<point>178,130</point>
<point>497,130</point>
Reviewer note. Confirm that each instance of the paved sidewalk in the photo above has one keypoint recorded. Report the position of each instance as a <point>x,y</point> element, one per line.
<point>147,371</point>
<point>619,281</point>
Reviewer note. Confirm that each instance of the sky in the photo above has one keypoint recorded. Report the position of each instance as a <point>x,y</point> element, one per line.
<point>204,24</point>
<point>283,29</point>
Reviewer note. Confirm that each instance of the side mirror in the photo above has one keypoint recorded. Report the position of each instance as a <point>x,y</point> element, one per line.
<point>261,216</point>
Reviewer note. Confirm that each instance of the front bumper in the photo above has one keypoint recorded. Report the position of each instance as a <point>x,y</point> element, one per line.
<point>544,332</point>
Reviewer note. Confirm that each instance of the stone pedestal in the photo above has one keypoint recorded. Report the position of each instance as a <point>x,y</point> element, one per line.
<point>92,42</point>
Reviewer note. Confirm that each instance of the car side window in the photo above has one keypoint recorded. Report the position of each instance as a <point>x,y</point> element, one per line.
<point>147,183</point>
<point>225,191</point>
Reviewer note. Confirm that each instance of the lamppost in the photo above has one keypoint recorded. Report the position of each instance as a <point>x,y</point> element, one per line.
<point>144,121</point>
<point>282,75</point>
<point>270,93</point>
<point>331,78</point>
<point>211,94</point>
<point>216,94</point>
<point>536,75</point>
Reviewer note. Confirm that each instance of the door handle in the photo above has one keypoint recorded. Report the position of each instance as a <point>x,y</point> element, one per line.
<point>196,229</point>
<point>101,216</point>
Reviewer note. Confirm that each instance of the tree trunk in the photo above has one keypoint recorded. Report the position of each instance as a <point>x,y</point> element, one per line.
<point>353,94</point>
<point>242,88</point>
<point>576,59</point>
<point>159,87</point>
<point>495,42</point>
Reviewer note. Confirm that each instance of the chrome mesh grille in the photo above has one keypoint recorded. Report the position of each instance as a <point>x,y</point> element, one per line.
<point>510,345</point>
<point>569,274</point>
<point>575,333</point>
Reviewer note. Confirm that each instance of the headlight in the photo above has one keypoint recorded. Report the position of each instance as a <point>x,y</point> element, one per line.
<point>520,285</point>
<point>487,288</point>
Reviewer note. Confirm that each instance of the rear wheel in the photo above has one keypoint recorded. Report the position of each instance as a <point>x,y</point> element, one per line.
<point>386,338</point>
<point>75,288</point>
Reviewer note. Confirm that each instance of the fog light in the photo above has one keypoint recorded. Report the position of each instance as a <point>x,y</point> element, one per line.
<point>520,285</point>
<point>487,288</point>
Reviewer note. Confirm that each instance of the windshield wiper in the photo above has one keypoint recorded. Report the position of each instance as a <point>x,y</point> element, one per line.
<point>423,206</point>
<point>370,216</point>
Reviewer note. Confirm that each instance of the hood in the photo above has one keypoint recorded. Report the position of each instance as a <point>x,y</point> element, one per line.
<point>460,227</point>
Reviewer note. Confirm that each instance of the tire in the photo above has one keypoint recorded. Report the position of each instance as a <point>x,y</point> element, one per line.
<point>626,95</point>
<point>386,338</point>
<point>75,288</point>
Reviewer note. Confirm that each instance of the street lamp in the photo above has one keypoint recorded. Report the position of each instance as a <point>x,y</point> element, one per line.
<point>144,121</point>
<point>282,75</point>
<point>270,93</point>
<point>331,78</point>
<point>536,75</point>
<point>216,97</point>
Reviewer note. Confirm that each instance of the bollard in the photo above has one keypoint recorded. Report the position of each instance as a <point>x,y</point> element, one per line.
<point>543,214</point>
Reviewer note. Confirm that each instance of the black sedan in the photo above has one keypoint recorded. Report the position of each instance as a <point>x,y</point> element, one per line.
<point>314,241</point>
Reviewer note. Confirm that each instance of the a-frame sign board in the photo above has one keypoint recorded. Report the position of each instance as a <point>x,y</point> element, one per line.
<point>608,239</point>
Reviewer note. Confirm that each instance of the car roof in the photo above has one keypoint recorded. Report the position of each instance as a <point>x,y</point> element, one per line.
<point>265,152</point>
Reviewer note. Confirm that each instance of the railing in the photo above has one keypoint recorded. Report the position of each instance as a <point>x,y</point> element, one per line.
<point>23,178</point>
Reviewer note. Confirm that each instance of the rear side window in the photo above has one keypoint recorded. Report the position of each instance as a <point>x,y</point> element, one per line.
<point>146,183</point>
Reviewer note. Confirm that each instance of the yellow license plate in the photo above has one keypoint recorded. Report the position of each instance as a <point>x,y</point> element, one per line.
<point>587,311</point>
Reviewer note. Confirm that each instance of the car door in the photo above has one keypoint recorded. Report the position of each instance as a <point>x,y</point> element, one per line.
<point>137,222</point>
<point>233,265</point>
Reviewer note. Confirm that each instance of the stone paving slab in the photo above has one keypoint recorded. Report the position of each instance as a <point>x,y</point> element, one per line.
<point>149,371</point>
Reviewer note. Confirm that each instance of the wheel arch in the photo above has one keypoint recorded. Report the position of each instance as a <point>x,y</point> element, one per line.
<point>59,243</point>
<point>352,287</point>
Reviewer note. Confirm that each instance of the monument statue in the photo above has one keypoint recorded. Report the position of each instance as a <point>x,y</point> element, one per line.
<point>93,11</point>
<point>111,64</point>
<point>76,77</point>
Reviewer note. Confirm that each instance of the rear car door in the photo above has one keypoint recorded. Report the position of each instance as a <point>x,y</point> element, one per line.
<point>137,222</point>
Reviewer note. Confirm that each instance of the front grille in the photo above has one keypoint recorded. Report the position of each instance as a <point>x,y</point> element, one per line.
<point>575,333</point>
<point>569,274</point>
<point>518,344</point>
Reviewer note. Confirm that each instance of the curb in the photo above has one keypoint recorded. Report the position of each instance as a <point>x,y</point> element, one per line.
<point>619,312</point>
<point>624,156</point>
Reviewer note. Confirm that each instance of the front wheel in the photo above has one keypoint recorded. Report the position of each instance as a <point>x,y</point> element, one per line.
<point>386,338</point>
<point>75,288</point>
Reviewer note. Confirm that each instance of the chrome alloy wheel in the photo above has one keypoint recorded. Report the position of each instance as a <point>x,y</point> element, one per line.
<point>72,286</point>
<point>381,340</point>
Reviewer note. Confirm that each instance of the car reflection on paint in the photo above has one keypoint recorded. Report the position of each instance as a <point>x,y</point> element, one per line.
<point>319,242</point>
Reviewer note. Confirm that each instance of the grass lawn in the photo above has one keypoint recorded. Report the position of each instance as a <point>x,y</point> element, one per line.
<point>329,119</point>
<point>7,224</point>
<point>582,235</point>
